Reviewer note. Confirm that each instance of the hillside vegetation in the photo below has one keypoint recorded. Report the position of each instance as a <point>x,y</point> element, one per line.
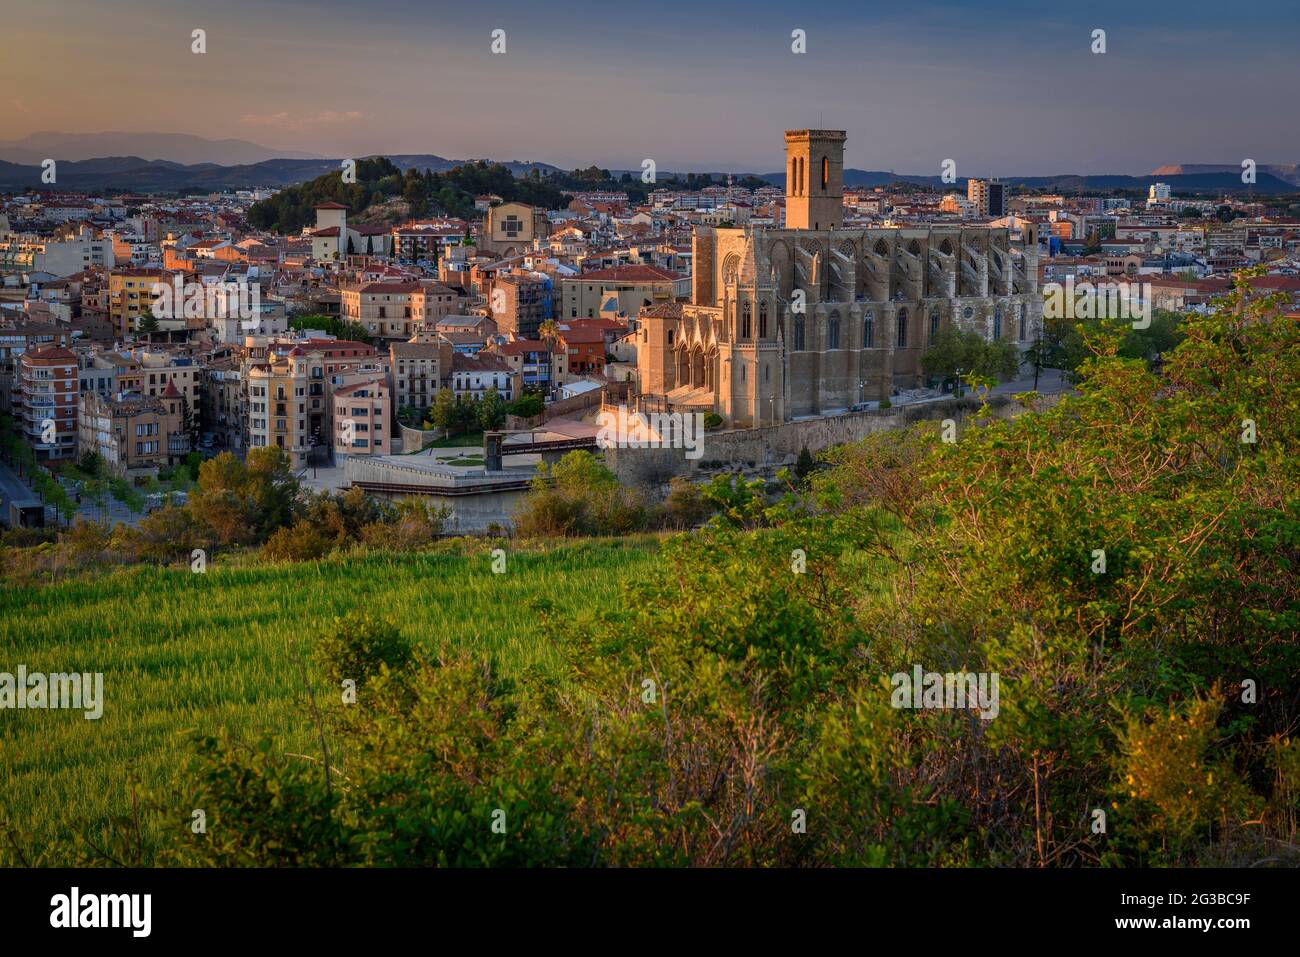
<point>1125,562</point>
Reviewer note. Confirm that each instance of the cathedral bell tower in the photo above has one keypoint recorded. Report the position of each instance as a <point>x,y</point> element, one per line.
<point>814,179</point>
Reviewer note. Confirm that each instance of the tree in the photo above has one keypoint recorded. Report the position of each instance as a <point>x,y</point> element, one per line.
<point>527,405</point>
<point>443,412</point>
<point>955,351</point>
<point>189,422</point>
<point>491,411</point>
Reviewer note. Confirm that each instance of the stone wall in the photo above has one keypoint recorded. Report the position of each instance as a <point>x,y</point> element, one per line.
<point>413,439</point>
<point>775,446</point>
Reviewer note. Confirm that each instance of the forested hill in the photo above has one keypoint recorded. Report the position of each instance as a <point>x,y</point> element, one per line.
<point>378,180</point>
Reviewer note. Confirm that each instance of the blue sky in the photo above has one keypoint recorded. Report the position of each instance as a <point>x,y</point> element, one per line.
<point>1005,87</point>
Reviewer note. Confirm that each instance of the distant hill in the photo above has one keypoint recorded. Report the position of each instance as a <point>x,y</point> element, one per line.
<point>1228,181</point>
<point>175,147</point>
<point>1285,171</point>
<point>135,173</point>
<point>162,176</point>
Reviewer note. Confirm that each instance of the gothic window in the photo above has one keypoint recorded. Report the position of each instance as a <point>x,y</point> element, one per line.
<point>934,322</point>
<point>833,333</point>
<point>902,328</point>
<point>869,329</point>
<point>794,176</point>
<point>826,172</point>
<point>997,323</point>
<point>762,320</point>
<point>799,334</point>
<point>745,321</point>
<point>1020,310</point>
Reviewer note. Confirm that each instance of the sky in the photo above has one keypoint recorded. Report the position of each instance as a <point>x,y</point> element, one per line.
<point>1002,87</point>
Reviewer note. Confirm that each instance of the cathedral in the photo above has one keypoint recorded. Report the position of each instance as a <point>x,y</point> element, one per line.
<point>814,318</point>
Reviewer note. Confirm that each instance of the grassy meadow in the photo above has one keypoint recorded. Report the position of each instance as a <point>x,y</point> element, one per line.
<point>182,652</point>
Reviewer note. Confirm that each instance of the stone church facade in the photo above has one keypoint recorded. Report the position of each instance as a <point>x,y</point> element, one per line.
<point>815,318</point>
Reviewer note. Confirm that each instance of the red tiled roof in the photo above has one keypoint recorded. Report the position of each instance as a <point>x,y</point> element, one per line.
<point>630,274</point>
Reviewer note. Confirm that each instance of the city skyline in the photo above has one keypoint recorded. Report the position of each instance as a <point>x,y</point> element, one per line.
<point>1006,89</point>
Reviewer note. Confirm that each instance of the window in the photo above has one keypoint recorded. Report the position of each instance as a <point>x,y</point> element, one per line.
<point>745,321</point>
<point>997,323</point>
<point>762,320</point>
<point>826,172</point>
<point>799,334</point>
<point>1023,324</point>
<point>869,329</point>
<point>934,322</point>
<point>833,333</point>
<point>902,328</point>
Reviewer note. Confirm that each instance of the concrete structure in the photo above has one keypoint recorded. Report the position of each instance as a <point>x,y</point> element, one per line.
<point>475,499</point>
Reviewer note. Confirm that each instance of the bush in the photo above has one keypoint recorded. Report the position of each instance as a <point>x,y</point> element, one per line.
<point>300,542</point>
<point>579,496</point>
<point>361,648</point>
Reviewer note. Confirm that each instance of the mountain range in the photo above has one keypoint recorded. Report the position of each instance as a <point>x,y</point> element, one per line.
<point>179,162</point>
<point>175,147</point>
<point>135,174</point>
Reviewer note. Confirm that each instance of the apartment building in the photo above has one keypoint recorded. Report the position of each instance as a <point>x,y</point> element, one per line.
<point>418,369</point>
<point>620,289</point>
<point>519,302</point>
<point>45,402</point>
<point>130,294</point>
<point>278,405</point>
<point>133,435</point>
<point>32,253</point>
<point>538,364</point>
<point>473,376</point>
<point>397,310</point>
<point>362,417</point>
<point>988,196</point>
<point>225,409</point>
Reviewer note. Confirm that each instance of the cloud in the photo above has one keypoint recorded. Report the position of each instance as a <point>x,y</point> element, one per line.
<point>304,122</point>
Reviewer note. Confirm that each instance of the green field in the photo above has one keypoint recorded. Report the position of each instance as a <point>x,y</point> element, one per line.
<point>182,651</point>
